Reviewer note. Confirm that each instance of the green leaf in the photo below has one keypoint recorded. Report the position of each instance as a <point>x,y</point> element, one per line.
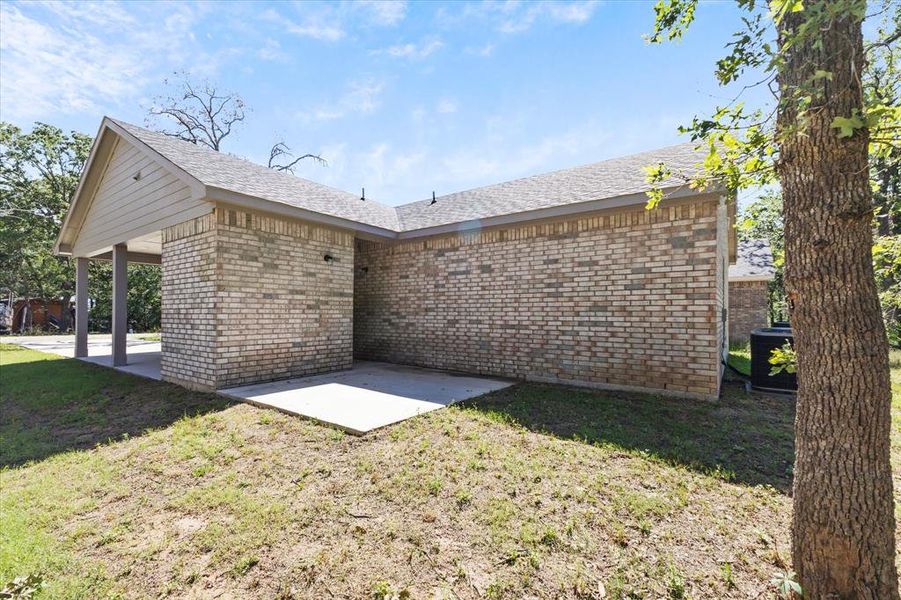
<point>847,125</point>
<point>780,8</point>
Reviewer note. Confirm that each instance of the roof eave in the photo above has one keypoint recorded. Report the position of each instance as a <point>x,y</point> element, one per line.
<point>216,194</point>
<point>59,247</point>
<point>751,278</point>
<point>565,210</point>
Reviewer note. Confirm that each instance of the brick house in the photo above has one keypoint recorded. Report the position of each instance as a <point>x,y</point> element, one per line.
<point>749,279</point>
<point>560,277</point>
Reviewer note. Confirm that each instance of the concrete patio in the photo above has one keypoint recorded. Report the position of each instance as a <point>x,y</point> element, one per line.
<point>366,397</point>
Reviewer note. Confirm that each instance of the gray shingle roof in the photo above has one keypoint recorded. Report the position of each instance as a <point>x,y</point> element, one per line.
<point>235,174</point>
<point>753,259</point>
<point>597,181</point>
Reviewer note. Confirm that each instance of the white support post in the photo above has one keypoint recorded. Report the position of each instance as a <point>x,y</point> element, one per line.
<point>120,309</point>
<point>81,307</point>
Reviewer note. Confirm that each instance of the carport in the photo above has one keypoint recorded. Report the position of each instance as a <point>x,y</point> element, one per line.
<point>257,265</point>
<point>125,198</point>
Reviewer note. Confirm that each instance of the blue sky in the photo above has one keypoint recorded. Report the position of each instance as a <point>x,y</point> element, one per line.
<point>402,98</point>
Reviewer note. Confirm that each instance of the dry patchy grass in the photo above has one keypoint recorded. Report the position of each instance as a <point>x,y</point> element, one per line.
<point>531,492</point>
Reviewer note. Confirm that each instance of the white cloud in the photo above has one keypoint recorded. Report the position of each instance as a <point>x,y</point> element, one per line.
<point>516,17</point>
<point>413,51</point>
<point>418,114</point>
<point>384,12</point>
<point>483,51</point>
<point>271,50</point>
<point>446,106</point>
<point>361,97</point>
<point>322,26</point>
<point>395,171</point>
<point>105,14</point>
<point>61,58</point>
<point>574,12</point>
<point>50,69</point>
<point>383,166</point>
<point>331,22</point>
<point>317,31</point>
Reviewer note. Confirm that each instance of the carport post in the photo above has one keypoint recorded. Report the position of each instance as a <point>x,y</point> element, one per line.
<point>81,307</point>
<point>120,309</point>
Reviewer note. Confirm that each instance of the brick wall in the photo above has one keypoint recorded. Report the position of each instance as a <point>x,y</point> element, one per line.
<point>622,300</point>
<point>283,310</point>
<point>270,306</point>
<point>189,303</point>
<point>747,309</point>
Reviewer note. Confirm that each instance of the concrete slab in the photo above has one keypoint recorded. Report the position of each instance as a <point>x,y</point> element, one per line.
<point>366,397</point>
<point>143,356</point>
<point>369,396</point>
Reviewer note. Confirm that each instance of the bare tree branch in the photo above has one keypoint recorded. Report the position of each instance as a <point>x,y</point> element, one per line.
<point>280,151</point>
<point>203,115</point>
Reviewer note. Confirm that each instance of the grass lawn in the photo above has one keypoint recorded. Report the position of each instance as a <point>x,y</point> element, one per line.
<point>740,359</point>
<point>114,486</point>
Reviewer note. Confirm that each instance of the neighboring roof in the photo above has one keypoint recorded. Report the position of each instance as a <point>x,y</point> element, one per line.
<point>607,179</point>
<point>233,174</point>
<point>754,261</point>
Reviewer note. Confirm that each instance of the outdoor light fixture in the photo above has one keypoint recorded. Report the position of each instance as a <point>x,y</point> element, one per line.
<point>328,258</point>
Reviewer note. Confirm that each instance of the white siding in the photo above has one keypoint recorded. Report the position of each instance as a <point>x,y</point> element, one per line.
<point>124,208</point>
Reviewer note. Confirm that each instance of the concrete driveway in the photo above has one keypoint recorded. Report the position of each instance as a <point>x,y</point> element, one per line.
<point>143,356</point>
<point>366,397</point>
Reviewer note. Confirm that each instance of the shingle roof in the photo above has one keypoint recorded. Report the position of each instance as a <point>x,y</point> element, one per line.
<point>753,260</point>
<point>597,181</point>
<point>235,174</point>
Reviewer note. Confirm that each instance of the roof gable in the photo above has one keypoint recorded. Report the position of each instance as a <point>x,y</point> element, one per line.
<point>135,197</point>
<point>108,138</point>
<point>225,172</point>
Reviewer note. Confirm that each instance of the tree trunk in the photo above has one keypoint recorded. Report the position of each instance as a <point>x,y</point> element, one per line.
<point>843,530</point>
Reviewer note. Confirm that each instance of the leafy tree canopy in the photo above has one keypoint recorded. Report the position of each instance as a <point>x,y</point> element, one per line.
<point>742,141</point>
<point>39,172</point>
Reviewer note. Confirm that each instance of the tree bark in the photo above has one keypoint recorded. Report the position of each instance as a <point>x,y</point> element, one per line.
<point>843,529</point>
